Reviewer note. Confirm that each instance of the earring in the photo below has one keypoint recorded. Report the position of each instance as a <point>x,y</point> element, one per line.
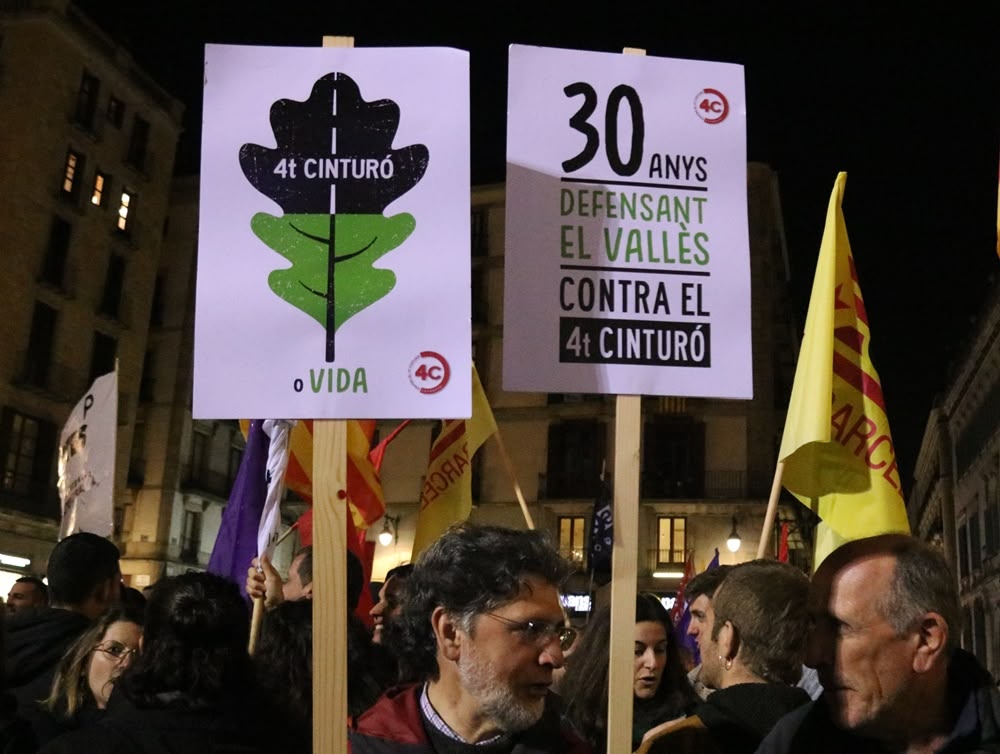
<point>726,662</point>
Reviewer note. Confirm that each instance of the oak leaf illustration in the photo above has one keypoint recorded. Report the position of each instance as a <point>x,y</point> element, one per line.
<point>333,172</point>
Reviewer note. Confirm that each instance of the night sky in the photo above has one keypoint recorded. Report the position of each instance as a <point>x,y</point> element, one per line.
<point>908,105</point>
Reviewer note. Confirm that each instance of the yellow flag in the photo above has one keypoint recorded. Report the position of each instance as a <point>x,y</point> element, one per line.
<point>837,449</point>
<point>447,493</point>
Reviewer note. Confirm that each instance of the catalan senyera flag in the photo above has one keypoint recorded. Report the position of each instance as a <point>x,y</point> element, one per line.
<point>364,489</point>
<point>447,492</point>
<point>837,449</point>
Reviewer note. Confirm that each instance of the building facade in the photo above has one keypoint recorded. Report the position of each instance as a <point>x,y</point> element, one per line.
<point>956,492</point>
<point>87,157</point>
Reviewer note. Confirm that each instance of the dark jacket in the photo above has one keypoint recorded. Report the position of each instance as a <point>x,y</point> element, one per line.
<point>733,720</point>
<point>972,695</point>
<point>395,724</point>
<point>180,727</point>
<point>16,736</point>
<point>34,642</point>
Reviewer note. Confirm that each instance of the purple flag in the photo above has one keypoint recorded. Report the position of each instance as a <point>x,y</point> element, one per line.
<point>236,544</point>
<point>682,625</point>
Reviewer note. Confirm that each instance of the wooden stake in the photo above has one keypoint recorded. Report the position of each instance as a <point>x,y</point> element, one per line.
<point>628,413</point>
<point>513,478</point>
<point>329,586</point>
<point>772,509</point>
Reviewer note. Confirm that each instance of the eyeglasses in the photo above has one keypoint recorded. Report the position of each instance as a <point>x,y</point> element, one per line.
<point>116,650</point>
<point>540,632</point>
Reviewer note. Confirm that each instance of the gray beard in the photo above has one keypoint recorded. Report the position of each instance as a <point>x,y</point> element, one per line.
<point>497,701</point>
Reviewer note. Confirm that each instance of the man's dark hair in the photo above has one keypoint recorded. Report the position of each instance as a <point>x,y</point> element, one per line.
<point>194,644</point>
<point>705,583</point>
<point>79,564</point>
<point>469,570</point>
<point>305,556</point>
<point>401,572</point>
<point>37,583</point>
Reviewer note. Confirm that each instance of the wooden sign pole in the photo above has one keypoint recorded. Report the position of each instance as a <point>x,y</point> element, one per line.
<point>330,572</point>
<point>628,413</point>
<point>329,586</point>
<point>628,421</point>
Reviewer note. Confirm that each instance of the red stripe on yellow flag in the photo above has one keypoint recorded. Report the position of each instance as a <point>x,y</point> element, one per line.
<point>837,449</point>
<point>364,488</point>
<point>447,493</point>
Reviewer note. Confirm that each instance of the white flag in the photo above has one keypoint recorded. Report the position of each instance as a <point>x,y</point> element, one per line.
<point>87,460</point>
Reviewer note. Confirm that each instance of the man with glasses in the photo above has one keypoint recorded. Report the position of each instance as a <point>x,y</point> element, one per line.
<point>483,626</point>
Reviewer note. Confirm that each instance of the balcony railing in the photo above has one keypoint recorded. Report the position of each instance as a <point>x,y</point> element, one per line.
<point>665,560</point>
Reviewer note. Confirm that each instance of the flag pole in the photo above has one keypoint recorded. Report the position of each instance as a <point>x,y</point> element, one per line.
<point>772,510</point>
<point>513,478</point>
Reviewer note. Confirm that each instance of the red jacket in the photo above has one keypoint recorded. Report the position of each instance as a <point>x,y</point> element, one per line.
<point>395,724</point>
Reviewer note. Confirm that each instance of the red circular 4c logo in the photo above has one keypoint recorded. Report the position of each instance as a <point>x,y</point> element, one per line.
<point>711,106</point>
<point>429,372</point>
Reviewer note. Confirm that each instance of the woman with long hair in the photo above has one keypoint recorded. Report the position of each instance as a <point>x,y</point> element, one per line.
<point>191,687</point>
<point>661,690</point>
<point>88,671</point>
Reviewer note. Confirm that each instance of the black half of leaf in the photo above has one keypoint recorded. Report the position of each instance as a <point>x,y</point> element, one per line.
<point>334,153</point>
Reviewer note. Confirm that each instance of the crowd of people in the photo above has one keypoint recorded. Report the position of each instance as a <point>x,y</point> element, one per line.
<point>471,652</point>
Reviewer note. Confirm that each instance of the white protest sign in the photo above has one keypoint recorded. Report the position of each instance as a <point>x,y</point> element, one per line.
<point>333,254</point>
<point>627,252</point>
<point>87,447</point>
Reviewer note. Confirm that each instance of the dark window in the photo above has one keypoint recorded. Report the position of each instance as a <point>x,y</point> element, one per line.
<point>975,546</point>
<point>199,454</point>
<point>38,357</point>
<point>102,185</point>
<point>159,301</point>
<point>480,299</point>
<point>480,233</point>
<point>114,283</point>
<point>963,551</point>
<point>190,535</point>
<point>27,448</point>
<point>86,100</point>
<point>576,450</point>
<point>54,267</point>
<point>673,458</point>
<point>235,456</point>
<point>116,111</point>
<point>102,358</point>
<point>138,143</point>
<point>148,381</point>
<point>72,174</point>
<point>137,455</point>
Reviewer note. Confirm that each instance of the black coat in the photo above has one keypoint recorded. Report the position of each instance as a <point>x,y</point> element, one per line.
<point>181,727</point>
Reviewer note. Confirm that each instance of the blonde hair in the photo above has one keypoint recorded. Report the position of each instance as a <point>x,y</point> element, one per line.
<point>70,687</point>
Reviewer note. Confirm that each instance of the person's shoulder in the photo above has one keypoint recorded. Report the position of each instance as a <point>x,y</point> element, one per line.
<point>395,716</point>
<point>786,732</point>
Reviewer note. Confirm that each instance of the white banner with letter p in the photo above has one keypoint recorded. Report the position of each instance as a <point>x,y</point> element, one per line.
<point>87,460</point>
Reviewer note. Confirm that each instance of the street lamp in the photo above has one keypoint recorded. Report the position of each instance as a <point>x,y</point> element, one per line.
<point>733,541</point>
<point>390,530</point>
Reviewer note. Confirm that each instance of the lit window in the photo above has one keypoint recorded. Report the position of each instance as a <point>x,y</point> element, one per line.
<point>100,187</point>
<point>572,537</point>
<point>123,211</point>
<point>69,173</point>
<point>672,543</point>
